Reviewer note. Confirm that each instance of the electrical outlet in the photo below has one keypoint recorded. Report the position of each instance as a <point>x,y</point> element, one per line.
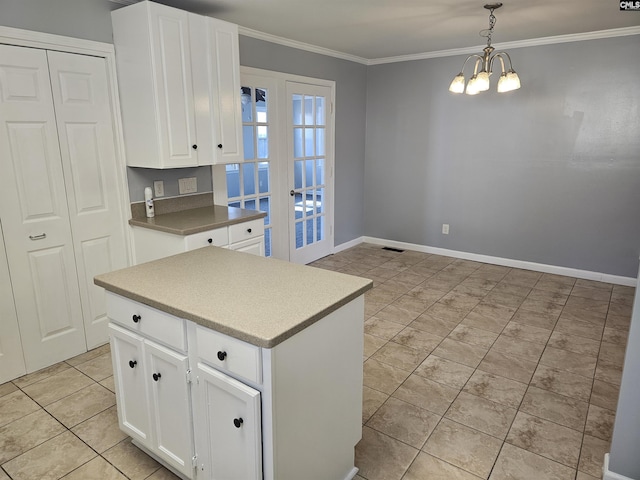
<point>445,229</point>
<point>158,188</point>
<point>187,185</point>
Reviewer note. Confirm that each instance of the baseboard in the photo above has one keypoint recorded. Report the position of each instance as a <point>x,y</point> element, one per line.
<point>352,474</point>
<point>608,475</point>
<point>506,262</point>
<point>351,243</point>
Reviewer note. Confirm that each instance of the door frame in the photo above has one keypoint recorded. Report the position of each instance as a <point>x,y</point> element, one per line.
<point>60,43</point>
<point>282,183</point>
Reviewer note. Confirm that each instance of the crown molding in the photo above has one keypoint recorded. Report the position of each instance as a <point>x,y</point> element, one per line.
<point>534,42</point>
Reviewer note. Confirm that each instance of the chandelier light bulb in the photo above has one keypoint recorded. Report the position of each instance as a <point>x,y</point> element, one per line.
<point>482,81</point>
<point>457,85</point>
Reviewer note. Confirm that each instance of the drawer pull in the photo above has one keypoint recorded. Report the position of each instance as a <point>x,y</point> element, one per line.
<point>238,422</point>
<point>222,356</point>
<point>210,240</point>
<point>248,230</point>
<point>133,363</point>
<point>136,318</point>
<point>38,237</point>
<point>219,145</point>
<point>156,377</point>
<point>195,147</point>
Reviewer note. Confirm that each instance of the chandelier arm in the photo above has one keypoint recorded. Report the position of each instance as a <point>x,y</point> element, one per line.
<point>468,58</point>
<point>500,55</point>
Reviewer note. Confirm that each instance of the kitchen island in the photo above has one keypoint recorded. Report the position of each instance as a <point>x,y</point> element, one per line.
<point>233,366</point>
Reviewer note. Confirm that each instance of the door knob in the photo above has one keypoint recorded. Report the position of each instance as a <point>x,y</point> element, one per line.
<point>156,377</point>
<point>219,145</point>
<point>133,363</point>
<point>222,356</point>
<point>238,422</point>
<point>136,318</point>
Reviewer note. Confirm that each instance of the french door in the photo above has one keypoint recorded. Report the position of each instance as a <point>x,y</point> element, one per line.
<point>288,163</point>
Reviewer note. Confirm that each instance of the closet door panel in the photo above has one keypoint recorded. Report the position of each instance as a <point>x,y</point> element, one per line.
<point>33,209</point>
<point>88,146</point>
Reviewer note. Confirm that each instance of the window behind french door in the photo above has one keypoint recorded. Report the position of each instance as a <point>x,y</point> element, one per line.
<point>287,139</point>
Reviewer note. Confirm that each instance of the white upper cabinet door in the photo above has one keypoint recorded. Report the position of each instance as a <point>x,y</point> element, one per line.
<point>224,74</point>
<point>33,209</point>
<point>154,66</point>
<point>87,145</point>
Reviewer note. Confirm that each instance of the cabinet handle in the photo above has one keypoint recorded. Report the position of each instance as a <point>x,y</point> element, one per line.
<point>156,377</point>
<point>38,237</point>
<point>136,318</point>
<point>219,145</point>
<point>210,240</point>
<point>195,147</point>
<point>133,363</point>
<point>248,230</point>
<point>238,422</point>
<point>222,356</point>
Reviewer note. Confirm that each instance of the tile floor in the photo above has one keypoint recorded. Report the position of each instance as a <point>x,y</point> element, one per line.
<point>470,371</point>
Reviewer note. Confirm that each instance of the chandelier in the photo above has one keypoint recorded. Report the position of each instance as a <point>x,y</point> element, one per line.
<point>479,81</point>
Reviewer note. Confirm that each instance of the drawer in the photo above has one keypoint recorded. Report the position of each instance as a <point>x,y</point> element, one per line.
<point>246,230</point>
<point>147,321</point>
<point>217,238</point>
<point>229,354</point>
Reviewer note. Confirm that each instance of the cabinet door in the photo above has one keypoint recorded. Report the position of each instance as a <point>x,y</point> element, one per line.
<point>172,73</point>
<point>170,406</point>
<point>127,353</point>
<point>228,427</point>
<point>255,246</point>
<point>226,108</point>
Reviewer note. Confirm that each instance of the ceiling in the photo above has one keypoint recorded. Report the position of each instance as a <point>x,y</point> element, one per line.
<point>370,30</point>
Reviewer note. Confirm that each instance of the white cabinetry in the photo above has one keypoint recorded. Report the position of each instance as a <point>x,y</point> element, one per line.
<point>179,82</point>
<point>153,244</point>
<point>151,379</point>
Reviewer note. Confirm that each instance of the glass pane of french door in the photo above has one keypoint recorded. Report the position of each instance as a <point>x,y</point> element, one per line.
<point>249,183</point>
<point>308,137</point>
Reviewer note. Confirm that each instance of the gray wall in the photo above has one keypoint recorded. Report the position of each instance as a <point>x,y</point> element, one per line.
<point>623,458</point>
<point>351,81</point>
<point>549,173</point>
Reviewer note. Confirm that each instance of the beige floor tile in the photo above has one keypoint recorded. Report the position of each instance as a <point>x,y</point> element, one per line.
<point>372,344</point>
<point>619,322</point>
<point>81,405</point>
<point>14,406</point>
<point>34,377</point>
<point>50,460</point>
<point>575,344</point>
<point>383,377</point>
<point>459,352</point>
<point>551,406</point>
<point>444,371</point>
<point>57,386</point>
<point>481,414</point>
<point>484,322</point>
<point>459,301</point>
<point>592,455</point>
<point>463,447</point>
<point>382,328</point>
<point>514,346</point>
<point>27,432</point>
<point>544,307</point>
<point>7,388</point>
<point>535,319</point>
<point>573,313</point>
<point>548,296</point>
<point>96,469</point>
<point>611,353</point>
<point>109,383</point>
<point>505,299</point>
<point>553,441</point>
<point>404,422</point>
<point>131,461</point>
<point>527,333</point>
<point>584,476</point>
<point>562,382</point>
<point>605,395</point>
<point>512,289</point>
<point>444,312</point>
<point>580,282</point>
<point>600,422</point>
<point>497,312</point>
<point>508,366</point>
<point>571,362</point>
<point>399,356</point>
<point>371,307</point>
<point>473,336</point>
<point>380,457</point>
<point>164,474</point>
<point>426,394</point>
<point>516,463</point>
<point>372,400</point>
<point>433,325</point>
<point>495,388</point>
<point>601,294</point>
<point>608,372</point>
<point>590,304</point>
<point>522,277</point>
<point>3,476</point>
<point>615,336</point>
<point>426,293</point>
<point>394,313</point>
<point>417,339</point>
<point>101,431</point>
<point>428,467</point>
<point>91,354</point>
<point>572,326</point>
<point>97,368</point>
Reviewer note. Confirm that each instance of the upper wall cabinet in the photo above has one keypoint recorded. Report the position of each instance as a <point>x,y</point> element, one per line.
<point>179,82</point>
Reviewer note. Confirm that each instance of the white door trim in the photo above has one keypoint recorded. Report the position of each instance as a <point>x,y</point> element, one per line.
<point>48,41</point>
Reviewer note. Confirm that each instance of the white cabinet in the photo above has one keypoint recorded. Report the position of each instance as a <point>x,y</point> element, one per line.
<point>178,75</point>
<point>152,381</point>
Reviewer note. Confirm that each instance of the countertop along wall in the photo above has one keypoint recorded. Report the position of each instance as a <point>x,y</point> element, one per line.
<point>549,173</point>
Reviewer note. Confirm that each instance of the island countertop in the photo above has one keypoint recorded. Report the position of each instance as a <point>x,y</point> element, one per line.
<point>195,220</point>
<point>262,301</point>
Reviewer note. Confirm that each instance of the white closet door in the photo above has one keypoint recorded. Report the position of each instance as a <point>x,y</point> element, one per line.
<point>11,359</point>
<point>87,144</point>
<point>33,209</point>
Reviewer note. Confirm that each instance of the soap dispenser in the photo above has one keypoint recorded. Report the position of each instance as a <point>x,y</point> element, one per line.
<point>148,200</point>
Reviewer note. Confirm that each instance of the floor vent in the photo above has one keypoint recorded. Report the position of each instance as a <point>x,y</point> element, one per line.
<point>391,249</point>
